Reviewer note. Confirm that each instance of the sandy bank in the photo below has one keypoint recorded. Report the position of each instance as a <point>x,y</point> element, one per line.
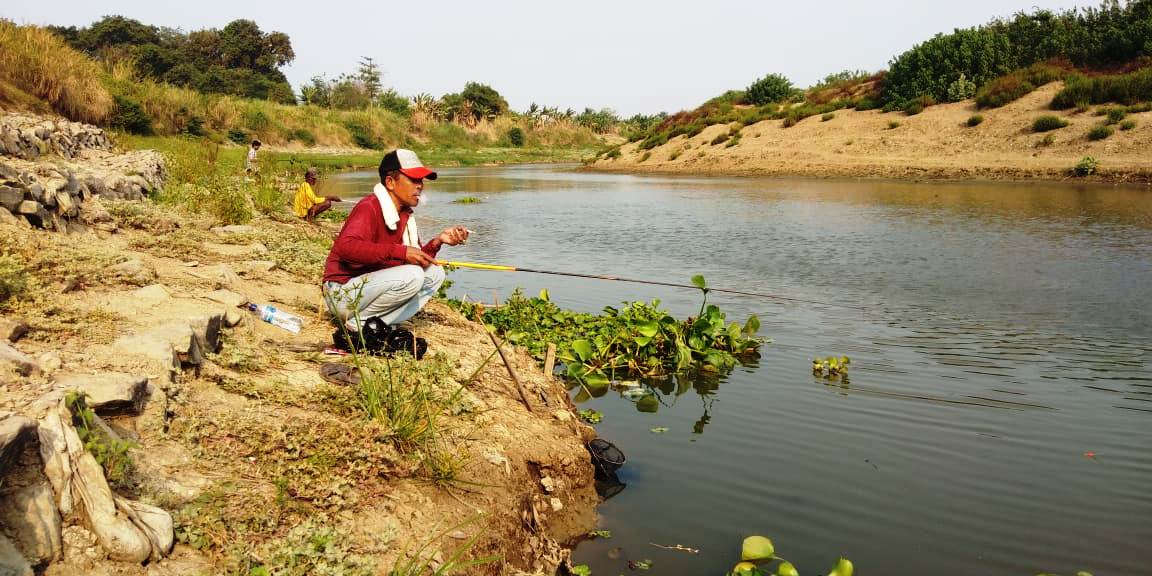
<point>935,144</point>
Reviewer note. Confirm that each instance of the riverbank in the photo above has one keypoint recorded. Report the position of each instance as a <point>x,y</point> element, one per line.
<point>223,427</point>
<point>936,144</point>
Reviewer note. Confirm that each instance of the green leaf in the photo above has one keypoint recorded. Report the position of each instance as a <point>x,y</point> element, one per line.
<point>648,404</point>
<point>752,325</point>
<point>596,380</point>
<point>1083,573</point>
<point>583,349</point>
<point>757,548</point>
<point>734,332</point>
<point>658,430</point>
<point>581,570</point>
<point>843,568</point>
<point>543,294</point>
<point>642,340</point>
<point>600,534</point>
<point>698,281</point>
<point>786,569</point>
<point>259,571</point>
<point>647,328</point>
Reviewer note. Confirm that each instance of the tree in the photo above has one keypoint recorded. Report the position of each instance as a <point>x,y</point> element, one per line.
<point>771,88</point>
<point>116,31</point>
<point>486,102</point>
<point>369,77</point>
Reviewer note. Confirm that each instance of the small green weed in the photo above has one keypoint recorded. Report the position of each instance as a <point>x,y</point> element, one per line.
<point>111,453</point>
<point>421,561</point>
<point>827,117</point>
<point>1127,124</point>
<point>591,416</point>
<point>831,368</point>
<point>893,124</point>
<point>1046,141</point>
<point>975,120</point>
<point>1087,166</point>
<point>1099,132</point>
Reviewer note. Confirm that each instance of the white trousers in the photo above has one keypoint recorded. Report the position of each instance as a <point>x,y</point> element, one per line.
<point>393,294</point>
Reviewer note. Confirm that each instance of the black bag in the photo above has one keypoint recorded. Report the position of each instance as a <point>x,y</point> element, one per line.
<point>379,339</point>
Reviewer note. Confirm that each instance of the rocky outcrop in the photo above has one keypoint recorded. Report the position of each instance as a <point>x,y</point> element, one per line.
<point>51,169</point>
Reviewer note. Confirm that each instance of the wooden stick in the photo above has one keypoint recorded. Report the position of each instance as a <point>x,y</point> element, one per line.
<point>549,360</point>
<point>511,372</point>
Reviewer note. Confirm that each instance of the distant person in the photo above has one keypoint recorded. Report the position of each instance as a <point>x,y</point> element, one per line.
<point>250,166</point>
<point>307,204</point>
<point>378,274</point>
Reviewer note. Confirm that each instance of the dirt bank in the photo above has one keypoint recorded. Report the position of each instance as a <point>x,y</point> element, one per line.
<point>259,460</point>
<point>936,143</point>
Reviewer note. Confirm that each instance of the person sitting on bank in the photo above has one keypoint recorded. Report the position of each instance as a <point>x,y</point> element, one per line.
<point>307,204</point>
<point>250,167</point>
<point>378,274</point>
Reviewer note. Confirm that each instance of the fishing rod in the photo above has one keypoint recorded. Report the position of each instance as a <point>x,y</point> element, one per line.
<point>500,268</point>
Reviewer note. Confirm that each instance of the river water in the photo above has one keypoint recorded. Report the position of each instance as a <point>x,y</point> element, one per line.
<point>998,418</point>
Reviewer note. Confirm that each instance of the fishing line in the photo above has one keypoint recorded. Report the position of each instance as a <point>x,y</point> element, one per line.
<point>502,268</point>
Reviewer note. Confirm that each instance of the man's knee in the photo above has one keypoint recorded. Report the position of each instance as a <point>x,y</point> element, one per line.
<point>434,276</point>
<point>410,280</point>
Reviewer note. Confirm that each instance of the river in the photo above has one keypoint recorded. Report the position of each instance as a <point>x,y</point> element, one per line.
<point>998,416</point>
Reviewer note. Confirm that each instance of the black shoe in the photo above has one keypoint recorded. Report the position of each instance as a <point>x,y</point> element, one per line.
<point>372,337</point>
<point>403,340</point>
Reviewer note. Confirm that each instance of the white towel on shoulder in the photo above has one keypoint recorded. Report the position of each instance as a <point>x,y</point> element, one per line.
<point>392,218</point>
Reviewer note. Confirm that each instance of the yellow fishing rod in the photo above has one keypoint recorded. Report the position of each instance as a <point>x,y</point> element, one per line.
<point>501,268</point>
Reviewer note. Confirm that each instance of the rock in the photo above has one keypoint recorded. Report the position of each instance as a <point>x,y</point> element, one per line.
<point>150,296</point>
<point>228,298</point>
<point>12,329</point>
<point>34,212</point>
<point>134,272</point>
<point>232,317</point>
<point>50,361</point>
<point>54,455</point>
<point>111,393</point>
<point>15,432</point>
<point>10,198</point>
<point>549,484</point>
<point>22,363</point>
<point>155,523</point>
<point>458,535</point>
<point>8,218</point>
<point>562,415</point>
<point>234,229</point>
<point>12,563</point>
<point>207,331</point>
<point>65,205</point>
<point>169,346</point>
<point>254,267</point>
<point>30,515</point>
<point>556,504</point>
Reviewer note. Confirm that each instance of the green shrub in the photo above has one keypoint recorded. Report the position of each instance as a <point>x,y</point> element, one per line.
<point>238,136</point>
<point>1115,115</point>
<point>304,135</point>
<point>1099,132</point>
<point>362,135</point>
<point>790,121</point>
<point>771,88</point>
<point>1046,141</point>
<point>961,88</point>
<point>1087,166</point>
<point>516,136</point>
<point>975,120</point>
<point>645,156</point>
<point>1141,107</point>
<point>194,126</point>
<point>129,116</point>
<point>827,117</point>
<point>866,104</point>
<point>675,154</point>
<point>1132,88</point>
<point>1127,124</point>
<point>1004,89</point>
<point>13,280</point>
<point>719,139</point>
<point>1048,123</point>
<point>613,153</point>
<point>893,124</point>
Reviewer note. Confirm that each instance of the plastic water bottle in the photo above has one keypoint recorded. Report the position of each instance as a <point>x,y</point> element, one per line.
<point>271,315</point>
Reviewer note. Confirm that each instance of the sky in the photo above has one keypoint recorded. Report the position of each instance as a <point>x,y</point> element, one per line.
<point>630,56</point>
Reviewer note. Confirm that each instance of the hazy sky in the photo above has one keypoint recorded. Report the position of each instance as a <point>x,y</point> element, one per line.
<point>630,56</point>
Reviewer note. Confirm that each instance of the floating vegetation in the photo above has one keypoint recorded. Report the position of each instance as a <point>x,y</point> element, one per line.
<point>467,200</point>
<point>831,368</point>
<point>600,534</point>
<point>638,338</point>
<point>591,416</point>
<point>758,552</point>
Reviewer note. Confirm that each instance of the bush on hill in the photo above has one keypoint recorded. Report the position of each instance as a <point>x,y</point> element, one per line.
<point>39,63</point>
<point>771,88</point>
<point>1130,88</point>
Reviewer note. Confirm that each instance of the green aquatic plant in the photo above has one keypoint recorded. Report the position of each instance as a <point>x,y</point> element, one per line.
<point>831,368</point>
<point>638,338</point>
<point>467,200</point>
<point>757,553</point>
<point>591,416</point>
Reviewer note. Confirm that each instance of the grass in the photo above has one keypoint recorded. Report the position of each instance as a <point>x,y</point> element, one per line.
<point>1015,85</point>
<point>1127,124</point>
<point>1132,88</point>
<point>893,124</point>
<point>1100,132</point>
<point>975,120</point>
<point>36,62</point>
<point>827,117</point>
<point>1048,123</point>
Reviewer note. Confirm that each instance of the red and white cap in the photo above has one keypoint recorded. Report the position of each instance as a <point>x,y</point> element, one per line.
<point>407,163</point>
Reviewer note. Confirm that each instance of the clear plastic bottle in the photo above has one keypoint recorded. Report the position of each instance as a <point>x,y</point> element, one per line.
<point>271,315</point>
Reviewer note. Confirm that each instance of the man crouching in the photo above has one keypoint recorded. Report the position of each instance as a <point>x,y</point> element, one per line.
<point>377,273</point>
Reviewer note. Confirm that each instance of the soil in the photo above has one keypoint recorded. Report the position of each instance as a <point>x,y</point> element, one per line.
<point>256,456</point>
<point>935,144</point>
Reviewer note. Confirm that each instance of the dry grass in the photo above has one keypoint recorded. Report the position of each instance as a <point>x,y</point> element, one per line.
<point>37,62</point>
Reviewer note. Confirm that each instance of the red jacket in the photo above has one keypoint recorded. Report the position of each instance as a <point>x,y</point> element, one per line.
<point>366,244</point>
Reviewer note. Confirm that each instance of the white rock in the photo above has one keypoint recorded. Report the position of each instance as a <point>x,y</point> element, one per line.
<point>30,515</point>
<point>109,393</point>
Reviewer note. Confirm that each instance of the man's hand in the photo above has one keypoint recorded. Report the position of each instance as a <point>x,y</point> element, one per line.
<point>418,257</point>
<point>453,236</point>
<point>332,199</point>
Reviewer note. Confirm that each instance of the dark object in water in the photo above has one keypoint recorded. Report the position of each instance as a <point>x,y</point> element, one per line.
<point>608,486</point>
<point>606,457</point>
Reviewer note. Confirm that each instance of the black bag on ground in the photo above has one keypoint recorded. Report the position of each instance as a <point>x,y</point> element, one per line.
<point>606,457</point>
<point>379,339</point>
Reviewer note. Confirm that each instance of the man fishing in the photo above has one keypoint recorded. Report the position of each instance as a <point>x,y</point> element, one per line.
<point>377,273</point>
<point>306,204</point>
